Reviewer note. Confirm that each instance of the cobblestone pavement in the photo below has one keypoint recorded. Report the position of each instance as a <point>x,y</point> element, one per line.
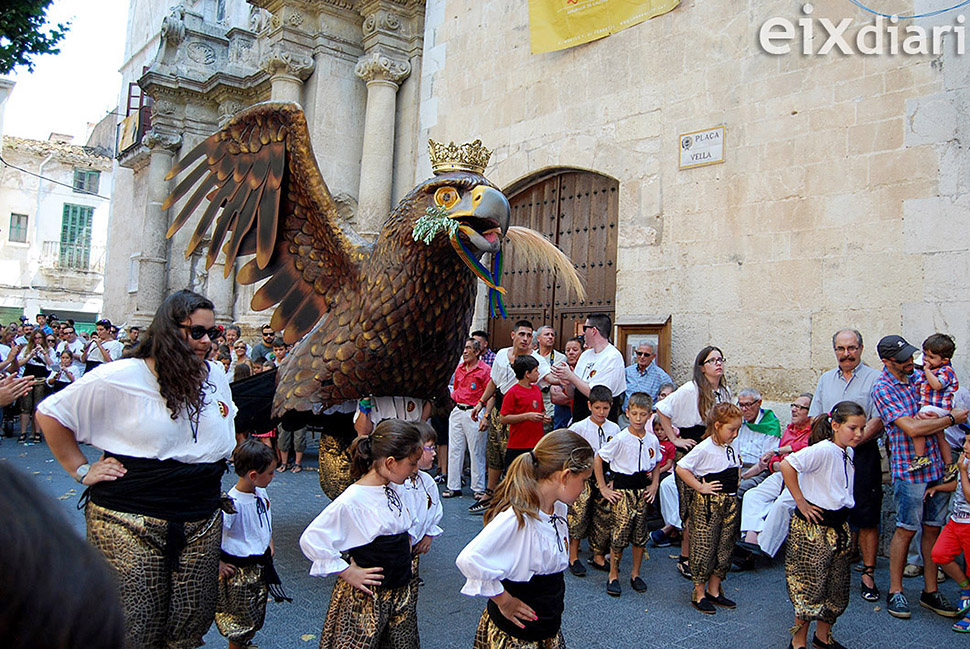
<point>661,617</point>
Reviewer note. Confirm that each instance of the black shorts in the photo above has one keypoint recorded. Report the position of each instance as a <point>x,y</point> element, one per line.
<point>867,488</point>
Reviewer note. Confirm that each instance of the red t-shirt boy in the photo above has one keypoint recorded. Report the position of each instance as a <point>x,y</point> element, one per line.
<point>522,409</point>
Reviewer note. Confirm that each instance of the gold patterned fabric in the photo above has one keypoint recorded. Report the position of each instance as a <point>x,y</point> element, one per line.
<point>241,608</point>
<point>356,620</point>
<point>163,609</point>
<point>334,466</point>
<point>628,520</point>
<point>715,524</point>
<point>684,493</point>
<point>589,518</point>
<point>496,442</point>
<point>413,584</point>
<point>489,636</point>
<point>817,570</point>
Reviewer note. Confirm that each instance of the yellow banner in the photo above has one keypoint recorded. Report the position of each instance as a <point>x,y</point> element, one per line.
<point>560,24</point>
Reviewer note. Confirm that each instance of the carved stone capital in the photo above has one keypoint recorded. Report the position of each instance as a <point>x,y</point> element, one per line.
<point>377,66</point>
<point>166,141</point>
<point>280,61</point>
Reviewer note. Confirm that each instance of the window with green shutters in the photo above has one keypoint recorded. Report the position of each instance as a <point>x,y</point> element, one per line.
<point>86,181</point>
<point>76,237</point>
<point>18,228</point>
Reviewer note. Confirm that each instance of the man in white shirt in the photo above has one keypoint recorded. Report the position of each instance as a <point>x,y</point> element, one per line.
<point>501,379</point>
<point>601,364</point>
<point>102,348</point>
<point>760,433</point>
<point>546,337</point>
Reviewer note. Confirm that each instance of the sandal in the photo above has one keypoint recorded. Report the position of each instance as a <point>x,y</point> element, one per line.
<point>281,468</point>
<point>296,468</point>
<point>36,439</point>
<point>451,493</point>
<point>963,626</point>
<point>869,593</point>
<point>22,438</point>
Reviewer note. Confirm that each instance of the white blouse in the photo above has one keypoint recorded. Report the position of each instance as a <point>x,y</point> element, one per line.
<point>708,457</point>
<point>502,374</point>
<point>119,409</point>
<point>681,405</point>
<point>590,431</point>
<point>248,531</point>
<point>425,505</point>
<point>358,516</point>
<point>503,550</point>
<point>825,474</point>
<point>630,454</point>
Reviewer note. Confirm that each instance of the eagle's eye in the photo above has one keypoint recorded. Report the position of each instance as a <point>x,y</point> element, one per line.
<point>446,197</point>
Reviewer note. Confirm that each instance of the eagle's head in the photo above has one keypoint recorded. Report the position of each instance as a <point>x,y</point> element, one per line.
<point>477,212</point>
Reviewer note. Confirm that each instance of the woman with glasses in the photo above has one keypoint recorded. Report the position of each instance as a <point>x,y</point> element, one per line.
<point>687,409</point>
<point>164,419</point>
<point>37,360</point>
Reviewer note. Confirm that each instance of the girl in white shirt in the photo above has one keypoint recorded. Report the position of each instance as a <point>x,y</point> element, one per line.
<point>370,521</point>
<point>820,479</point>
<point>518,560</point>
<point>712,469</point>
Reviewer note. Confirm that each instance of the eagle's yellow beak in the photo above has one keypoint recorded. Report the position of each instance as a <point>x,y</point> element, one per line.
<point>485,215</point>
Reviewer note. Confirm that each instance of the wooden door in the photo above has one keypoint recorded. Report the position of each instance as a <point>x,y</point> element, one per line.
<point>576,210</point>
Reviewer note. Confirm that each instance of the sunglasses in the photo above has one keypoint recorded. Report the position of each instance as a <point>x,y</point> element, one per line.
<point>197,331</point>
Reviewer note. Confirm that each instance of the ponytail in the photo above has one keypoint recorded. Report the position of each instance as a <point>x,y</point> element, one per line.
<point>557,451</point>
<point>822,424</point>
<point>391,438</point>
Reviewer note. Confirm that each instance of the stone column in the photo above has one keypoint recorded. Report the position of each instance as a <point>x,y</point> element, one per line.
<point>287,71</point>
<point>152,285</point>
<point>383,76</point>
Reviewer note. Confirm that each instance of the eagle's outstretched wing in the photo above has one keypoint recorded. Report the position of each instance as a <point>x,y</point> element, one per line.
<point>259,170</point>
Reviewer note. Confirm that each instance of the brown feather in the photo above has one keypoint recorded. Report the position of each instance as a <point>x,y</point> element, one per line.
<point>185,185</point>
<point>244,222</point>
<point>215,203</point>
<point>224,222</point>
<point>275,289</point>
<point>192,204</point>
<point>193,155</point>
<point>270,205</point>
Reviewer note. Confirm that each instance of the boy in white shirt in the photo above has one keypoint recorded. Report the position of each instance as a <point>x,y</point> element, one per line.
<point>246,573</point>
<point>633,456</point>
<point>589,515</point>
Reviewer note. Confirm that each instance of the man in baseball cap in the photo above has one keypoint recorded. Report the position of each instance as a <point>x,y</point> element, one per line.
<point>895,399</point>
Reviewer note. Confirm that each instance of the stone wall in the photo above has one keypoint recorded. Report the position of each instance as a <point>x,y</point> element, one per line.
<point>840,202</point>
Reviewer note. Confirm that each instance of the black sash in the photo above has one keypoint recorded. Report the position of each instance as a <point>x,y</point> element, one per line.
<point>90,365</point>
<point>392,552</point>
<point>39,371</point>
<point>270,576</point>
<point>544,595</point>
<point>836,519</point>
<point>695,433</point>
<point>631,481</point>
<point>166,489</point>
<point>728,479</point>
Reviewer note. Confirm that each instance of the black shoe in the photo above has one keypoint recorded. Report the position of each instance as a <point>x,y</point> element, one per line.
<point>819,644</point>
<point>613,588</point>
<point>602,567</point>
<point>703,606</point>
<point>683,567</point>
<point>752,548</point>
<point>577,568</point>
<point>480,507</point>
<point>638,584</point>
<point>870,594</point>
<point>720,600</point>
<point>939,604</point>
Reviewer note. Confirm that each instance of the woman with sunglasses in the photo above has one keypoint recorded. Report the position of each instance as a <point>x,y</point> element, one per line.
<point>687,409</point>
<point>164,419</point>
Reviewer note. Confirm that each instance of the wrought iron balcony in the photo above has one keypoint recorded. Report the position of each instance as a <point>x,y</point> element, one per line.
<point>72,256</point>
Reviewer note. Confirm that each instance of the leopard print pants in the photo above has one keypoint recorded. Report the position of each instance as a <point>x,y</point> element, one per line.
<point>628,521</point>
<point>589,518</point>
<point>384,620</point>
<point>241,608</point>
<point>163,609</point>
<point>489,636</point>
<point>817,570</point>
<point>496,442</point>
<point>715,526</point>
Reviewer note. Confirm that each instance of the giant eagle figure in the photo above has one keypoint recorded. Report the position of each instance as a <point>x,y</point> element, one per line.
<point>381,319</point>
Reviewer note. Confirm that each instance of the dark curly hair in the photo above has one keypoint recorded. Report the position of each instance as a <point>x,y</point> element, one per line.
<point>181,374</point>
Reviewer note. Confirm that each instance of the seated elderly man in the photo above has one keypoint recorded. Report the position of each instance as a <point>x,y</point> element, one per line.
<point>760,432</point>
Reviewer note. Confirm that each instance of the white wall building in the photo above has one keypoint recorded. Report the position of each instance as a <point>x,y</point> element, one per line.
<point>54,209</point>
